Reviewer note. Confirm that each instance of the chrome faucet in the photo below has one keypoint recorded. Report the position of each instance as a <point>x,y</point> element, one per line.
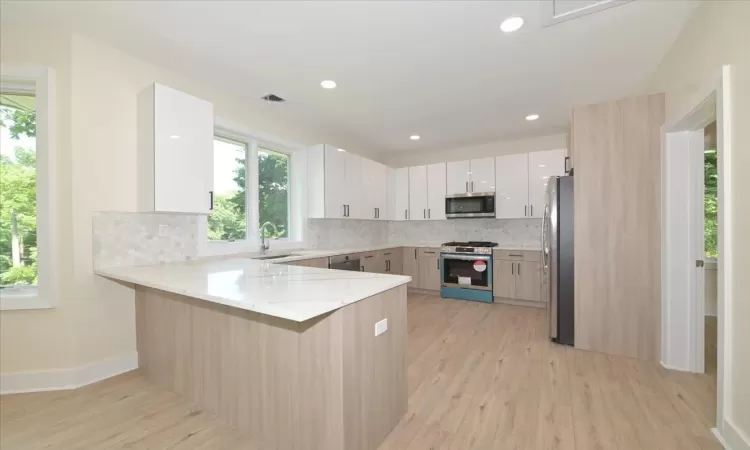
<point>263,244</point>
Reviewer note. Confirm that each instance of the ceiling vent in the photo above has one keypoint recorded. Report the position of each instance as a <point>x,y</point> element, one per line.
<point>273,98</point>
<point>556,11</point>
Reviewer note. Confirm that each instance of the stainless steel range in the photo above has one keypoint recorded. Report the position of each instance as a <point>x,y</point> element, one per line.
<point>466,270</point>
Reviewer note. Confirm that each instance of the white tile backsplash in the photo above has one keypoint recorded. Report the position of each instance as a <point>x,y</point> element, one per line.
<point>129,239</point>
<point>344,233</point>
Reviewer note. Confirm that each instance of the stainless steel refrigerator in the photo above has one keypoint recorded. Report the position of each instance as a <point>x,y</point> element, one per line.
<point>558,264</point>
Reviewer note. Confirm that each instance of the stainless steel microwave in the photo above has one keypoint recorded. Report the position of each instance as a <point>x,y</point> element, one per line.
<point>472,204</point>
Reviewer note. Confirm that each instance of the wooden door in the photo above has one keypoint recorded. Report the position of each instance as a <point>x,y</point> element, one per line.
<point>411,265</point>
<point>504,278</point>
<point>528,281</point>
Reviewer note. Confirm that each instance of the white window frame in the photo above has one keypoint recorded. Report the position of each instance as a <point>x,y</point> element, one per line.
<point>16,77</point>
<point>297,200</point>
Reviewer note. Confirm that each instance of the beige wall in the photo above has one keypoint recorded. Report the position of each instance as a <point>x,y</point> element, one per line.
<point>497,148</point>
<point>96,89</point>
<point>718,34</point>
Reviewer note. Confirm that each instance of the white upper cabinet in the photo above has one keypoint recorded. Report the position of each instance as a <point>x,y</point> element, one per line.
<point>543,165</point>
<point>398,193</point>
<point>521,180</point>
<point>418,193</point>
<point>436,181</point>
<point>334,183</point>
<point>482,175</point>
<point>477,175</point>
<point>374,190</point>
<point>175,151</point>
<point>511,186</point>
<point>458,175</point>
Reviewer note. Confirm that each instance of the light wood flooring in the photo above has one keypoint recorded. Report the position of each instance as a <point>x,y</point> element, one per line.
<point>711,347</point>
<point>480,377</point>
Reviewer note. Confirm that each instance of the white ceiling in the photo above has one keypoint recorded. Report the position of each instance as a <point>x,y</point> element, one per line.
<point>440,69</point>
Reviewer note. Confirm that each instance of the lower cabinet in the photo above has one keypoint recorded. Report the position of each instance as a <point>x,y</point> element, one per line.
<point>393,261</point>
<point>518,277</point>
<point>371,262</point>
<point>410,265</point>
<point>429,269</point>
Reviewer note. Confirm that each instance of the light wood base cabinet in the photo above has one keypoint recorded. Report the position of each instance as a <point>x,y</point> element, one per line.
<point>517,275</point>
<point>394,260</point>
<point>328,383</point>
<point>411,265</point>
<point>429,269</point>
<point>321,263</point>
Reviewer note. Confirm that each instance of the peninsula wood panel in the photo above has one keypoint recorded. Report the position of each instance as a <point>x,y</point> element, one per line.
<point>617,150</point>
<point>285,383</point>
<point>321,263</point>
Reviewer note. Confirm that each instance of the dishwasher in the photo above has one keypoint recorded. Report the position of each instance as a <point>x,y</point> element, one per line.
<point>345,262</point>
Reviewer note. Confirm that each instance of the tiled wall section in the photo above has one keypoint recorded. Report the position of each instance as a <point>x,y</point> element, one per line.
<point>339,233</point>
<point>345,233</point>
<point>127,239</point>
<point>504,232</point>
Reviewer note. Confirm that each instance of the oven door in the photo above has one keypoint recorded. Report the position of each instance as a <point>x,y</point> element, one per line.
<point>470,205</point>
<point>466,271</point>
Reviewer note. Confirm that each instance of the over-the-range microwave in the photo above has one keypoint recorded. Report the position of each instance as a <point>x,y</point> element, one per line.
<point>472,204</point>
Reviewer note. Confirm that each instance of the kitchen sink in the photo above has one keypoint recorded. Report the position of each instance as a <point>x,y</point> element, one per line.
<point>286,255</point>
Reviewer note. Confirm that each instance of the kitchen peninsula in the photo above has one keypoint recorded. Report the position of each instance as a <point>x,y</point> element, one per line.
<point>290,354</point>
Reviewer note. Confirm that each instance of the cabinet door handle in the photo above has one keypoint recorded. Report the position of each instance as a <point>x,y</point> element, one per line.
<point>424,213</point>
<point>519,268</point>
<point>415,253</point>
<point>512,269</point>
<point>361,268</point>
<point>525,208</point>
<point>211,197</point>
<point>532,211</point>
<point>406,214</point>
<point>467,186</point>
<point>343,214</point>
<point>438,264</point>
<point>429,213</point>
<point>472,186</point>
<point>567,160</point>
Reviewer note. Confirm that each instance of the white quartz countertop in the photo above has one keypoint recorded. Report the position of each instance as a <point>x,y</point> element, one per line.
<point>289,292</point>
<point>268,286</point>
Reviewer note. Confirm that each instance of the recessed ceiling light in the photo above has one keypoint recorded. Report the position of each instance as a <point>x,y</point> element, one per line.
<point>328,84</point>
<point>341,149</point>
<point>174,136</point>
<point>414,137</point>
<point>511,24</point>
<point>531,117</point>
<point>542,165</point>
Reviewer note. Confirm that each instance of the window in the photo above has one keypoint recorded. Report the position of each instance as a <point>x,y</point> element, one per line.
<point>228,221</point>
<point>253,180</point>
<point>273,192</point>
<point>18,255</point>
<point>27,186</point>
<point>710,204</point>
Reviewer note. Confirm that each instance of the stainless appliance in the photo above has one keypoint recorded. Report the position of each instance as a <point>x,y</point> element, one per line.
<point>558,264</point>
<point>466,270</point>
<point>472,204</point>
<point>344,262</point>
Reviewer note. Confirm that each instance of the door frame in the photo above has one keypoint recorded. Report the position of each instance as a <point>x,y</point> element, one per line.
<point>682,322</point>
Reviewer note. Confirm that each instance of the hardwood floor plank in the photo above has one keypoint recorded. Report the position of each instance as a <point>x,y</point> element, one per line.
<point>481,376</point>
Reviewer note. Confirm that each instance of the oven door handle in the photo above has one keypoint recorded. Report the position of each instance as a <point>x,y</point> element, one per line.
<point>467,257</point>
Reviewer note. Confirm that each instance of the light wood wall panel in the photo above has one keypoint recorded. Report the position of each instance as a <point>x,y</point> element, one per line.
<point>312,385</point>
<point>617,150</point>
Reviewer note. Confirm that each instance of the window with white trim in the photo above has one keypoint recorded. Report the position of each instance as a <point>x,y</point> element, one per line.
<point>252,181</point>
<point>27,272</point>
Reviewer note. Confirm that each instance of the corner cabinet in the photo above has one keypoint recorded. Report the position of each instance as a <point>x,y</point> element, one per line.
<point>334,183</point>
<point>521,180</point>
<point>175,152</point>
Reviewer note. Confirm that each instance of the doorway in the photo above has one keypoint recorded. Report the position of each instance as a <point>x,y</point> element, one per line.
<point>696,236</point>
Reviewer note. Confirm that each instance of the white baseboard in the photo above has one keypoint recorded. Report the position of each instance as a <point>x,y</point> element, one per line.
<point>734,439</point>
<point>73,378</point>
<point>679,369</point>
<point>717,435</point>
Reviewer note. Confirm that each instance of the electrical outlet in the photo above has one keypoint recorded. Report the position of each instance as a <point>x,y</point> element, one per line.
<point>163,229</point>
<point>381,327</point>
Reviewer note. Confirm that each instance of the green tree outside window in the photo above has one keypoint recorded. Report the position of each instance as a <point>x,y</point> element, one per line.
<point>710,209</point>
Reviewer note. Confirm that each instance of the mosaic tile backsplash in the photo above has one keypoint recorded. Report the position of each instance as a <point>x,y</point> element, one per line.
<point>130,239</point>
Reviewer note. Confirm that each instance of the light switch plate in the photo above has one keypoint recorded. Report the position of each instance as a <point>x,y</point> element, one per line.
<point>381,327</point>
<point>163,229</point>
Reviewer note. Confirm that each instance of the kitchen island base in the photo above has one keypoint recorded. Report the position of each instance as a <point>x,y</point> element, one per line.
<point>327,383</point>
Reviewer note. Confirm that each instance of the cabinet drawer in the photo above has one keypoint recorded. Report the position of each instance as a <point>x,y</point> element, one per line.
<point>512,255</point>
<point>429,251</point>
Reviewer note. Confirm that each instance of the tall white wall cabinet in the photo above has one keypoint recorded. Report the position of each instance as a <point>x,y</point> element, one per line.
<point>175,152</point>
<point>334,183</point>
<point>398,193</point>
<point>374,190</point>
<point>520,181</point>
<point>476,175</point>
<point>427,192</point>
